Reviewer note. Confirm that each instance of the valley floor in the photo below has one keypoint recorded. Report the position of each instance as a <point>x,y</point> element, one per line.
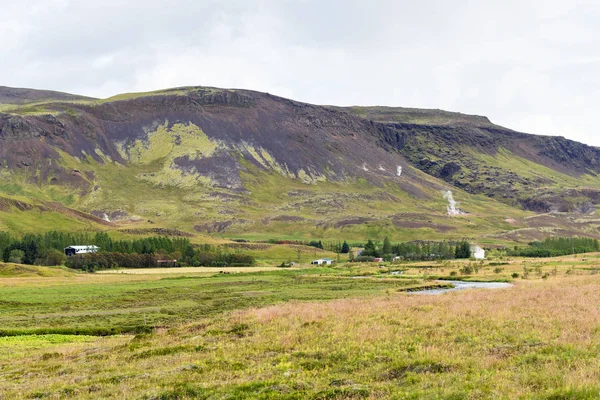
<point>307,333</point>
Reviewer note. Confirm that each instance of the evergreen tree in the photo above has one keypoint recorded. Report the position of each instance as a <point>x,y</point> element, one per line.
<point>463,250</point>
<point>345,248</point>
<point>387,246</point>
<point>31,252</point>
<point>370,249</point>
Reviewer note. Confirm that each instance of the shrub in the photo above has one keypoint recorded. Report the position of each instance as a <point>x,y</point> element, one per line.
<point>16,256</point>
<point>515,275</point>
<point>364,259</point>
<point>497,270</point>
<point>54,257</point>
<point>466,270</point>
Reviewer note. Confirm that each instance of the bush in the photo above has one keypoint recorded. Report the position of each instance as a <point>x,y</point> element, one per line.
<point>497,270</point>
<point>466,270</point>
<point>16,256</point>
<point>54,257</point>
<point>515,275</point>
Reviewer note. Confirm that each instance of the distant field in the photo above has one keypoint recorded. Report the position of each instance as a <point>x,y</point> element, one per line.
<point>191,270</point>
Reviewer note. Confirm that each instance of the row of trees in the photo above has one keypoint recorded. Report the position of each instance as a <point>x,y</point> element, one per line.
<point>103,260</point>
<point>333,246</point>
<point>554,247</point>
<point>418,250</point>
<point>47,249</point>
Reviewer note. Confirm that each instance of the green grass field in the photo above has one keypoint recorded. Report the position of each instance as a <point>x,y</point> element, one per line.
<point>104,301</point>
<point>346,332</point>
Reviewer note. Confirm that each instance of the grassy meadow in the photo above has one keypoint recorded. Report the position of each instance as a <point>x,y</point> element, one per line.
<point>351,331</point>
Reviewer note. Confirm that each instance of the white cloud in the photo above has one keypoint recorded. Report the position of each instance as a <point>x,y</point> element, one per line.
<point>530,66</point>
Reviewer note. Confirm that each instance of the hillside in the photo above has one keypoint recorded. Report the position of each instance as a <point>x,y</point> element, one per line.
<point>9,270</point>
<point>539,173</point>
<point>244,164</point>
<point>19,96</point>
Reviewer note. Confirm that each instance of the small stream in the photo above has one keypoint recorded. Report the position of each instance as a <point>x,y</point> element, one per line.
<point>461,285</point>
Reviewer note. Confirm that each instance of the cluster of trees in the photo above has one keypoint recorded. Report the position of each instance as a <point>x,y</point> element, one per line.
<point>47,249</point>
<point>103,260</point>
<point>554,247</point>
<point>417,250</point>
<point>97,261</point>
<point>333,246</point>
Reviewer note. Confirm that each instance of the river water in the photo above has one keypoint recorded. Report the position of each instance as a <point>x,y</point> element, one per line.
<point>460,285</point>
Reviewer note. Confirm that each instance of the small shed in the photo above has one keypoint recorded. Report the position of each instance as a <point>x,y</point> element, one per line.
<point>167,263</point>
<point>323,261</point>
<point>73,250</point>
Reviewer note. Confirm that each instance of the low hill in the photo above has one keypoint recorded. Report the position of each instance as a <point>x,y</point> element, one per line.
<point>10,270</point>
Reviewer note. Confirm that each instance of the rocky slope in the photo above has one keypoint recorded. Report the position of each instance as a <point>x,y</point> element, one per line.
<point>539,173</point>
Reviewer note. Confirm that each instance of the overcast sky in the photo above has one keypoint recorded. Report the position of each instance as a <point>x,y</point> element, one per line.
<point>532,66</point>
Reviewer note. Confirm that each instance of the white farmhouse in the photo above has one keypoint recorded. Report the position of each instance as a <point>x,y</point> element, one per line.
<point>323,261</point>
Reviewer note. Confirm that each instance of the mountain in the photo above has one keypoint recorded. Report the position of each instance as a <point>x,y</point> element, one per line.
<point>244,164</point>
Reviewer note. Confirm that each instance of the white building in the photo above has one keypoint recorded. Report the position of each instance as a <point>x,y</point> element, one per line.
<point>323,261</point>
<point>478,253</point>
<point>73,250</point>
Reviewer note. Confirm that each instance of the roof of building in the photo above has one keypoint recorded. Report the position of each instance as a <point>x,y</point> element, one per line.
<point>83,247</point>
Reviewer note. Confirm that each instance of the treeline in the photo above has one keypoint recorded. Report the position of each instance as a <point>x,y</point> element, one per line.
<point>412,251</point>
<point>333,246</point>
<point>98,261</point>
<point>48,249</point>
<point>555,247</point>
<point>415,251</point>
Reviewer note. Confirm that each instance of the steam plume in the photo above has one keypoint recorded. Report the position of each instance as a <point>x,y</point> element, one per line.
<point>452,204</point>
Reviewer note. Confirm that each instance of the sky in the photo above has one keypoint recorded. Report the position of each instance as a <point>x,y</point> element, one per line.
<point>532,66</point>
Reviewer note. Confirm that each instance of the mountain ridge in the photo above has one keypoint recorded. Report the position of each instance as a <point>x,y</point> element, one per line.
<point>238,162</point>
